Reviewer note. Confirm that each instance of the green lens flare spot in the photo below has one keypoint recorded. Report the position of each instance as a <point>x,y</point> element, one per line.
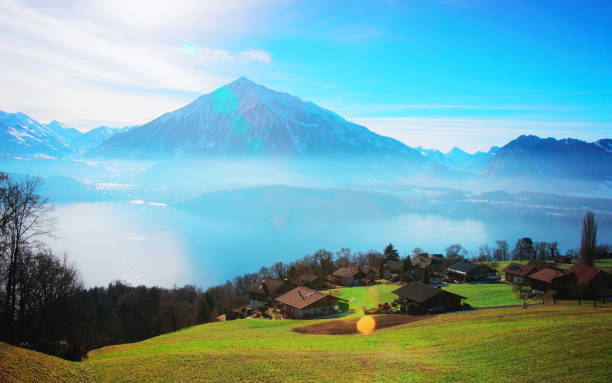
<point>239,125</point>
<point>225,101</point>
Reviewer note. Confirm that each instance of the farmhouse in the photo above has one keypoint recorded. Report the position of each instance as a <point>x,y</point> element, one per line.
<point>551,279</point>
<point>591,281</point>
<point>429,298</point>
<point>391,268</point>
<point>302,302</point>
<point>266,288</point>
<point>517,273</point>
<point>313,281</point>
<point>354,275</point>
<point>465,271</point>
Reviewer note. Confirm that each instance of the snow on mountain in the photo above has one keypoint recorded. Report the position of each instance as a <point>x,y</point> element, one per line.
<point>246,119</point>
<point>21,135</point>
<point>532,156</point>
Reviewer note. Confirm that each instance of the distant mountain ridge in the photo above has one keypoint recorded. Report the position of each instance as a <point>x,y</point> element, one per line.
<point>21,135</point>
<point>532,156</point>
<point>247,119</point>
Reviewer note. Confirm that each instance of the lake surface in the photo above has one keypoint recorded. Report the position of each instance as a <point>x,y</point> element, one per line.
<point>161,245</point>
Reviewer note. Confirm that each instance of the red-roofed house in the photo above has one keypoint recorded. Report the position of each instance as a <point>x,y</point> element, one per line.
<point>518,274</point>
<point>591,282</point>
<point>551,279</point>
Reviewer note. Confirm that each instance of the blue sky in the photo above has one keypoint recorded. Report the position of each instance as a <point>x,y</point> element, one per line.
<point>433,73</point>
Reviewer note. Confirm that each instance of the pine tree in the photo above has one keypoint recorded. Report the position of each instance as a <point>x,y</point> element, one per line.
<point>390,254</point>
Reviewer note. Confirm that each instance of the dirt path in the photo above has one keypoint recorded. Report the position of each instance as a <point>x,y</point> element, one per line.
<point>349,326</point>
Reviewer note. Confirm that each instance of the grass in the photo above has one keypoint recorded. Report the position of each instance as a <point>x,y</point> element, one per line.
<point>366,296</point>
<point>604,264</point>
<point>19,365</point>
<point>559,343</point>
<point>486,295</point>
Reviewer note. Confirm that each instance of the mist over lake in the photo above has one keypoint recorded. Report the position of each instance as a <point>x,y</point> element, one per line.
<point>152,244</point>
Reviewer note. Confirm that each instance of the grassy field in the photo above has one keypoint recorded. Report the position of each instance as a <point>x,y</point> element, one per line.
<point>479,295</point>
<point>557,343</point>
<point>486,295</point>
<point>605,265</point>
<point>368,297</point>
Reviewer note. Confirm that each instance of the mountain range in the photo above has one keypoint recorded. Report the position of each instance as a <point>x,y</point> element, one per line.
<point>247,120</point>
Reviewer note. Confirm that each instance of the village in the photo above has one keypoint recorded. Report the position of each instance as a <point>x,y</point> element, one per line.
<point>419,286</point>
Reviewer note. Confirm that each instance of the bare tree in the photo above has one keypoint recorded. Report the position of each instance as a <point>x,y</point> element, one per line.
<point>25,223</point>
<point>484,253</point>
<point>588,244</point>
<point>501,252</point>
<point>455,251</point>
<point>343,257</point>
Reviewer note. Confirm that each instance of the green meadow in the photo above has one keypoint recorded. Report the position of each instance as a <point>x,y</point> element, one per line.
<point>553,343</point>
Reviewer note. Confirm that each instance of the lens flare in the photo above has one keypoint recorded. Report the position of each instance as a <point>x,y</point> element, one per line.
<point>366,325</point>
<point>225,101</point>
<point>190,49</point>
<point>239,125</point>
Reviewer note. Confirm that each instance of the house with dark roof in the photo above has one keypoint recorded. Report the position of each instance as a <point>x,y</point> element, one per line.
<point>267,288</point>
<point>428,297</point>
<point>466,271</point>
<point>518,273</point>
<point>354,275</point>
<point>391,268</point>
<point>302,302</point>
<point>313,281</point>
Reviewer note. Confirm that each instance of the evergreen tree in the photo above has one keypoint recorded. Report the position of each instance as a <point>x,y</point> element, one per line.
<point>390,254</point>
<point>588,244</point>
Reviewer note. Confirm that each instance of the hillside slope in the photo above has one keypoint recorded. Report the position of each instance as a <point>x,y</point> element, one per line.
<point>19,365</point>
<point>559,343</point>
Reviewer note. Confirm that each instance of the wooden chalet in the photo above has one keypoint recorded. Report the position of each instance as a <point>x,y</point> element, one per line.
<point>466,271</point>
<point>267,288</point>
<point>551,279</point>
<point>590,282</point>
<point>414,275</point>
<point>428,297</point>
<point>518,273</point>
<point>302,302</point>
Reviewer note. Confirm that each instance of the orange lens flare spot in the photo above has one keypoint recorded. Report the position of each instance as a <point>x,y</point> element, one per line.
<point>366,325</point>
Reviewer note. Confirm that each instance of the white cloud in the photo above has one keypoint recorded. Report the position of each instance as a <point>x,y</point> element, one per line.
<point>257,55</point>
<point>67,66</point>
<point>475,134</point>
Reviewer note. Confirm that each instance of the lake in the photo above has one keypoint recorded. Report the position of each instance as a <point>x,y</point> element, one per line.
<point>140,242</point>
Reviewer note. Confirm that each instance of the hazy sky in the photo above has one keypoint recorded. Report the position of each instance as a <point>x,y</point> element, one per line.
<point>443,73</point>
